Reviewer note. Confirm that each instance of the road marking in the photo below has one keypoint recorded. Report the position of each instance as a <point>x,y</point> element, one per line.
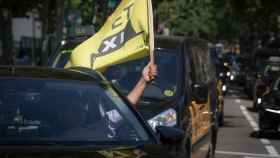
<point>251,155</point>
<point>250,119</point>
<point>265,141</point>
<point>269,148</point>
<point>238,101</point>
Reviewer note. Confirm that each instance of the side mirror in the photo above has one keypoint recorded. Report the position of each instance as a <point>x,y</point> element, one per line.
<point>170,135</point>
<point>200,93</point>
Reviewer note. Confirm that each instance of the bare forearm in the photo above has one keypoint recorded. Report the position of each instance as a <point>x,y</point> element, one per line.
<point>137,91</point>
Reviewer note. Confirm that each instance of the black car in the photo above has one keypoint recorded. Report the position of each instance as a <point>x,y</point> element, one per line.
<point>55,113</point>
<point>267,65</point>
<point>269,111</point>
<point>232,66</point>
<point>183,95</point>
<point>220,71</point>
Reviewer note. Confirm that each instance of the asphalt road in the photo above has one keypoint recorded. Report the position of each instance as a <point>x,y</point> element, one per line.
<point>237,138</point>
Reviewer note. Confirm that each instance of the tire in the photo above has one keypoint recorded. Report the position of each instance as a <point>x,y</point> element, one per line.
<point>266,123</point>
<point>185,149</point>
<point>221,119</point>
<point>212,145</point>
<point>211,152</point>
<point>254,98</point>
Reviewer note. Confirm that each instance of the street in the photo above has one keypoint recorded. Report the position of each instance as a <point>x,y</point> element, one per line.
<point>236,138</point>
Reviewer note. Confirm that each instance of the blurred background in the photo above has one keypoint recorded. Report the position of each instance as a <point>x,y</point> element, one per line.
<point>32,29</point>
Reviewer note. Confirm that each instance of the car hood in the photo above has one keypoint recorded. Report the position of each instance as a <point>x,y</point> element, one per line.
<point>146,151</point>
<point>272,101</point>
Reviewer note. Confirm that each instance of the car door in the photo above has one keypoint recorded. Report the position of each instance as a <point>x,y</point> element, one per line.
<point>200,104</point>
<point>201,88</point>
<point>192,108</point>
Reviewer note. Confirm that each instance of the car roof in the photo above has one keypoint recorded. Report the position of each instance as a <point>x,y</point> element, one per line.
<point>72,42</point>
<point>171,42</point>
<point>168,41</point>
<point>75,73</point>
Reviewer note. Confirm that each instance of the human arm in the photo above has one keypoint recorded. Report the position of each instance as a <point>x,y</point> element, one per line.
<point>149,72</point>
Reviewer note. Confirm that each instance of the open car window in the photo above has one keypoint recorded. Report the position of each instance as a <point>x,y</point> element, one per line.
<point>37,110</point>
<point>166,84</point>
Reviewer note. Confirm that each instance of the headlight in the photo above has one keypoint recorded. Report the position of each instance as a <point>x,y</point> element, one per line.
<point>228,73</point>
<point>221,74</point>
<point>231,77</point>
<point>259,101</point>
<point>225,64</point>
<point>224,88</point>
<point>63,42</point>
<point>166,118</point>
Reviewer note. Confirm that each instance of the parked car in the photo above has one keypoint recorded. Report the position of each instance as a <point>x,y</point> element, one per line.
<point>56,113</point>
<point>232,63</point>
<point>263,80</point>
<point>183,95</point>
<point>219,70</point>
<point>269,111</point>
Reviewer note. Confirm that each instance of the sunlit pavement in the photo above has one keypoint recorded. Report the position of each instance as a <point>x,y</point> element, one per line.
<point>236,139</point>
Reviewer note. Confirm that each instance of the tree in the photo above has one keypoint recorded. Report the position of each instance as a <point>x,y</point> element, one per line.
<point>188,17</point>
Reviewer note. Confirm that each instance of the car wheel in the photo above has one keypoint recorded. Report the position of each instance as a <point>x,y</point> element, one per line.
<point>254,98</point>
<point>186,151</point>
<point>186,146</point>
<point>221,119</point>
<point>213,143</point>
<point>221,116</point>
<point>266,123</point>
<point>211,152</point>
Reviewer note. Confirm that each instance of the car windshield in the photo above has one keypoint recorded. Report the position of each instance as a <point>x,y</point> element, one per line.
<point>40,110</point>
<point>165,86</point>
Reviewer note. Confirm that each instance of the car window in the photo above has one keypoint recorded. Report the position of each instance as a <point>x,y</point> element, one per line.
<point>209,65</point>
<point>60,110</point>
<point>271,69</point>
<point>198,63</point>
<point>62,59</point>
<point>126,75</point>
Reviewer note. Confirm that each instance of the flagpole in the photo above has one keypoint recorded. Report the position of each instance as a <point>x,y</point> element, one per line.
<point>151,31</point>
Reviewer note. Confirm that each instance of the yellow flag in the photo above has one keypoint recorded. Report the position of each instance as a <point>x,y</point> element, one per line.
<point>123,37</point>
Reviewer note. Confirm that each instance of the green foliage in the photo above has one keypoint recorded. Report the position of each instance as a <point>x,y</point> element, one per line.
<point>227,19</point>
<point>188,17</point>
